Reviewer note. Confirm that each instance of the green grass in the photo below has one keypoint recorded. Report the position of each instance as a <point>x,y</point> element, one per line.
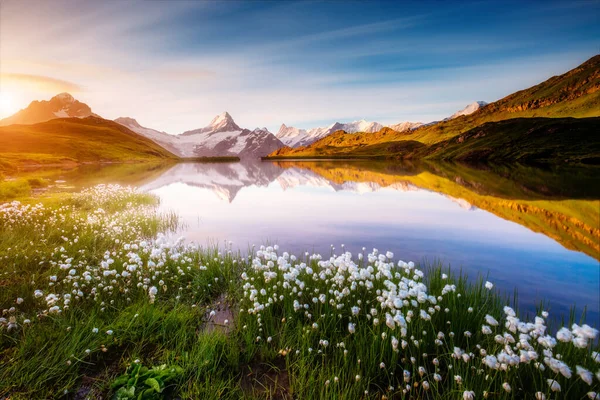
<point>73,140</point>
<point>269,349</point>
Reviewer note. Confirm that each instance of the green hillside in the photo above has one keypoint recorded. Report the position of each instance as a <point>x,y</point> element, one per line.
<point>74,141</point>
<point>573,94</point>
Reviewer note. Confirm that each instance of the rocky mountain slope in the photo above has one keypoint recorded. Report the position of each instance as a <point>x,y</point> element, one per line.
<point>222,137</point>
<point>62,105</point>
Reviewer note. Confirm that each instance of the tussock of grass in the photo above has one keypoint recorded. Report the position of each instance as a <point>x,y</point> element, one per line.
<point>90,287</point>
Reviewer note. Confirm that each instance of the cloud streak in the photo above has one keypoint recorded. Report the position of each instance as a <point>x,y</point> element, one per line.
<point>40,82</point>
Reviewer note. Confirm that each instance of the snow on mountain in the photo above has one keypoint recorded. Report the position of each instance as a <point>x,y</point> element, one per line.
<point>405,126</point>
<point>221,123</point>
<point>294,137</point>
<point>222,137</point>
<point>62,105</point>
<point>165,140</point>
<point>470,109</point>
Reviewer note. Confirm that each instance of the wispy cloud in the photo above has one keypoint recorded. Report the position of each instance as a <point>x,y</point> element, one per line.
<point>40,82</point>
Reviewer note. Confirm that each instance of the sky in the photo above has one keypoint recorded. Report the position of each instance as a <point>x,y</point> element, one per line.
<point>174,65</point>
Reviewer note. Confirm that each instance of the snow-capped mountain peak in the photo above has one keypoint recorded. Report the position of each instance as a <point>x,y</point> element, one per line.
<point>469,109</point>
<point>221,123</point>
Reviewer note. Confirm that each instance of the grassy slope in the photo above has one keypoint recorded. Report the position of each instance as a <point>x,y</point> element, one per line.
<point>526,140</point>
<point>573,94</point>
<point>73,140</point>
<point>571,222</point>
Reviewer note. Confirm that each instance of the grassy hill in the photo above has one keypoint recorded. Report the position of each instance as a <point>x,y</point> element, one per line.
<point>526,140</point>
<point>75,141</point>
<point>573,94</point>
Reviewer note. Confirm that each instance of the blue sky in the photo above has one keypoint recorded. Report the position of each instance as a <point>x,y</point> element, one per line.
<point>173,65</point>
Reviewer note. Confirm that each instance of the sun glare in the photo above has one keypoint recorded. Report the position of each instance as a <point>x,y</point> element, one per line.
<point>7,104</point>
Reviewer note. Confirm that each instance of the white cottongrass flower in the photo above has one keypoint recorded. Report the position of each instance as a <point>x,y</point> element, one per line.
<point>468,395</point>
<point>506,387</point>
<point>491,320</point>
<point>564,335</point>
<point>351,327</point>
<point>584,374</point>
<point>489,285</point>
<point>554,386</point>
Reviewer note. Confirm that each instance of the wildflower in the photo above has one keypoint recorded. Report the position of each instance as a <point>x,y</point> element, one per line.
<point>540,396</point>
<point>437,377</point>
<point>95,330</point>
<point>506,387</point>
<point>489,285</point>
<point>584,374</point>
<point>357,378</point>
<point>468,395</point>
<point>425,385</point>
<point>109,332</point>
<point>382,365</point>
<point>491,320</point>
<point>564,335</point>
<point>351,327</point>
<point>593,396</point>
<point>554,386</point>
<point>458,379</point>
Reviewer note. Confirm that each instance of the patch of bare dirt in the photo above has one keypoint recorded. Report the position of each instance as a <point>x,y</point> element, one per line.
<point>267,380</point>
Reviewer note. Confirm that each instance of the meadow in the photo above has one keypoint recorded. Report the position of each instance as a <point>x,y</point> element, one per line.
<point>100,299</point>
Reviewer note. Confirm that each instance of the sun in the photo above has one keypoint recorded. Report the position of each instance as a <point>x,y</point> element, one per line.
<point>7,104</point>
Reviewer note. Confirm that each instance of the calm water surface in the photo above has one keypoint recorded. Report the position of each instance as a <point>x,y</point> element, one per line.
<point>529,229</point>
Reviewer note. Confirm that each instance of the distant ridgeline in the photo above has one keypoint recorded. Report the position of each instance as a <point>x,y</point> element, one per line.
<point>556,121</point>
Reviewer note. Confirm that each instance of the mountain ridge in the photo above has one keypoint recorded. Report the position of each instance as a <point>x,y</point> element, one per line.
<point>575,93</point>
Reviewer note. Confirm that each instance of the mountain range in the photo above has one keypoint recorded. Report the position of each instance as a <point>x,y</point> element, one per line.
<point>295,137</point>
<point>221,137</point>
<point>465,135</point>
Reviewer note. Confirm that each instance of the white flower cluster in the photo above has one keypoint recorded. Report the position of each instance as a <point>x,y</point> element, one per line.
<point>391,300</point>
